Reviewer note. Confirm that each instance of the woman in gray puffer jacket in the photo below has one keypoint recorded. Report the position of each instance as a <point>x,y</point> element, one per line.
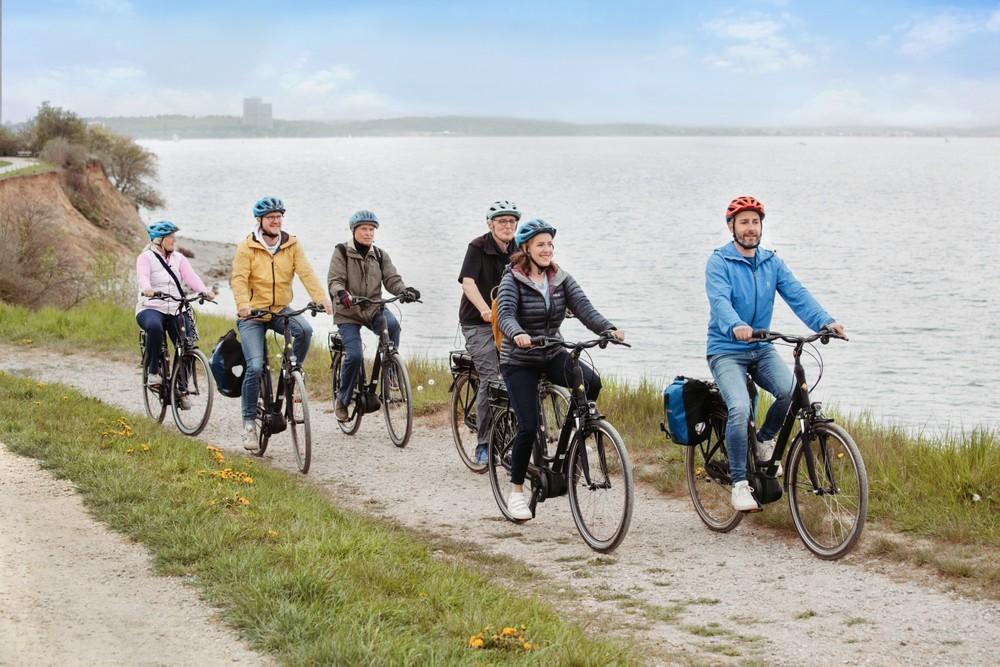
<point>532,300</point>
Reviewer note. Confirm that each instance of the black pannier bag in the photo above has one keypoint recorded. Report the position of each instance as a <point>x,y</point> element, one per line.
<point>227,357</point>
<point>686,405</point>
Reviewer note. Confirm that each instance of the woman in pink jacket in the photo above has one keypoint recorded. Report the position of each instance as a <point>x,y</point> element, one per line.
<point>159,269</point>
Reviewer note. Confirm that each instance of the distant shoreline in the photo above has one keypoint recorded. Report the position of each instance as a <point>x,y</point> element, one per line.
<point>212,260</point>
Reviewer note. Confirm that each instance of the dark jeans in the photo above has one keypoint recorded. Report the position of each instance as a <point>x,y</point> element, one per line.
<point>354,355</point>
<point>154,323</point>
<point>522,389</point>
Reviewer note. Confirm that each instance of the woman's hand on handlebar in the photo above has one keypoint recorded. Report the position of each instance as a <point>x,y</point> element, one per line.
<point>523,341</point>
<point>617,334</point>
<point>837,328</point>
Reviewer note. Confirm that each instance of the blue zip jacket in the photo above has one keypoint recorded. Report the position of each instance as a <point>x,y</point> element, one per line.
<point>739,294</point>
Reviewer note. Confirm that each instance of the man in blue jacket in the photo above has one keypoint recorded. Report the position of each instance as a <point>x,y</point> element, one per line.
<point>740,280</point>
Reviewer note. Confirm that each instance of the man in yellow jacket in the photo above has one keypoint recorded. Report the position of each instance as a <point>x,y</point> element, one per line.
<point>265,263</point>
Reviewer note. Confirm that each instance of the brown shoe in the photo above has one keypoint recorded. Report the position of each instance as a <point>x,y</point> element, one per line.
<point>341,412</point>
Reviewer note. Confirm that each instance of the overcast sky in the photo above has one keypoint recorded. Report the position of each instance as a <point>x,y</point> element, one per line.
<point>709,63</point>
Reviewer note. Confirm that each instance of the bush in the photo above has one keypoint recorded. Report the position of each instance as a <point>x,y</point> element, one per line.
<point>51,122</point>
<point>129,166</point>
<point>62,153</point>
<point>11,142</point>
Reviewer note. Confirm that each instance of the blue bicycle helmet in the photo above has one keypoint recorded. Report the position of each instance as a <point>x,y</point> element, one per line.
<point>531,229</point>
<point>363,218</point>
<point>502,207</point>
<point>160,228</point>
<point>267,205</point>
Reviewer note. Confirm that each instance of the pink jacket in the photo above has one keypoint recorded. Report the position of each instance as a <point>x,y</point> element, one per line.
<point>150,274</point>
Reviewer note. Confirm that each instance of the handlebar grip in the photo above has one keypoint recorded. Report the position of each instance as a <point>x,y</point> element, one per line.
<point>539,341</point>
<point>759,334</point>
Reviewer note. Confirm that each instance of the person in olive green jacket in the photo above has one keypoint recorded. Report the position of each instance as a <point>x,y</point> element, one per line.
<point>266,261</point>
<point>358,268</point>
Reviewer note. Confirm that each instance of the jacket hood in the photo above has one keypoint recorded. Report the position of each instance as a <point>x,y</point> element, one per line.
<point>286,240</point>
<point>555,273</point>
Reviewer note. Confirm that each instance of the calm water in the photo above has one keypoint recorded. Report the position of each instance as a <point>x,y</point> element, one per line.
<point>893,236</point>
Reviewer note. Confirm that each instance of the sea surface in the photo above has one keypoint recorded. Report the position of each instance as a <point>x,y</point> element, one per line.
<point>896,237</point>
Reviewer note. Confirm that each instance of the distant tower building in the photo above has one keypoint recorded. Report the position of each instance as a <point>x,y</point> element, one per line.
<point>257,113</point>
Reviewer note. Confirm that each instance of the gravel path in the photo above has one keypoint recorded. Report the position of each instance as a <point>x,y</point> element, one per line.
<point>74,593</point>
<point>682,590</point>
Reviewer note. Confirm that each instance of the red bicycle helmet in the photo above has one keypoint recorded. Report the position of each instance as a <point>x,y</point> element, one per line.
<point>744,203</point>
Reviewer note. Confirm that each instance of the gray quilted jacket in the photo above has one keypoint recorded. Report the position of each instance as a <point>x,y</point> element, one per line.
<point>521,309</point>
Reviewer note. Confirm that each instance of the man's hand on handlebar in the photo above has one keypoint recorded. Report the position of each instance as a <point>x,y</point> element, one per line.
<point>743,332</point>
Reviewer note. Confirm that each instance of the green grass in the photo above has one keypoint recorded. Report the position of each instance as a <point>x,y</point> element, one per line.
<point>4,163</point>
<point>945,488</point>
<point>298,577</point>
<point>40,168</point>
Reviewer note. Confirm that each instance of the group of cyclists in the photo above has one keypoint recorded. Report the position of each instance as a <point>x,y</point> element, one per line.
<point>508,274</point>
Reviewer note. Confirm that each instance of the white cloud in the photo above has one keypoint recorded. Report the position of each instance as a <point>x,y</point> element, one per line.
<point>932,35</point>
<point>993,24</point>
<point>759,46</point>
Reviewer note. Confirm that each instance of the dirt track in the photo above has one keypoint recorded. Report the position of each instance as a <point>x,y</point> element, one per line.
<point>746,593</point>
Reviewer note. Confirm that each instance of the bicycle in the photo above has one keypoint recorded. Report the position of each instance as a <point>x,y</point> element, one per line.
<point>554,402</point>
<point>825,479</point>
<point>187,384</point>
<point>289,405</point>
<point>393,396</point>
<point>590,462</point>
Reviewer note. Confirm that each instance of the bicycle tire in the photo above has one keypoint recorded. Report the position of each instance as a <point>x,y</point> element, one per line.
<point>297,417</point>
<point>502,433</point>
<point>263,432</point>
<point>396,401</point>
<point>554,403</point>
<point>463,418</point>
<point>152,399</point>
<point>600,485</point>
<point>819,518</point>
<point>199,392</point>
<point>353,423</point>
<point>706,467</point>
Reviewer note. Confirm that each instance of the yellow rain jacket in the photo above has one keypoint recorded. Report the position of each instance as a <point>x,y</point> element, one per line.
<point>264,281</point>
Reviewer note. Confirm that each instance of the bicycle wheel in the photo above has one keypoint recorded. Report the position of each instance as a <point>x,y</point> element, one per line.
<point>153,397</point>
<point>601,491</point>
<point>353,423</point>
<point>263,431</point>
<point>501,445</point>
<point>463,417</point>
<point>554,403</point>
<point>706,467</point>
<point>830,515</point>
<point>396,404</point>
<point>297,416</point>
<point>191,393</point>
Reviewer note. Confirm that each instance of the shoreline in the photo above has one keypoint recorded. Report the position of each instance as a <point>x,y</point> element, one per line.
<point>212,260</point>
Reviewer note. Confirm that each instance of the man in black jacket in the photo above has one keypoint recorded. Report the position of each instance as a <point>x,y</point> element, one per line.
<point>485,260</point>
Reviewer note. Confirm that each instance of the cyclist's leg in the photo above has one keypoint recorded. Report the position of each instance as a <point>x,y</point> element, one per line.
<point>483,350</point>
<point>350,368</point>
<point>522,391</point>
<point>773,375</point>
<point>172,325</point>
<point>253,342</point>
<point>559,371</point>
<point>301,335</point>
<point>152,322</point>
<point>730,372</point>
<point>393,325</point>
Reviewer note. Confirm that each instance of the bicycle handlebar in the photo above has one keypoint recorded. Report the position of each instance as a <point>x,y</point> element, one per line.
<point>201,298</point>
<point>823,335</point>
<point>312,307</point>
<point>602,342</point>
<point>401,297</point>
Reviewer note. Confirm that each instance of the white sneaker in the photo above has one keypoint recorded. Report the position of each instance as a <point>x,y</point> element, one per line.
<point>153,380</point>
<point>518,506</point>
<point>743,500</point>
<point>249,436</point>
<point>765,450</point>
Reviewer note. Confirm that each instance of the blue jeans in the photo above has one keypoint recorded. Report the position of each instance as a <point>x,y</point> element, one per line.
<point>252,338</point>
<point>155,323</point>
<point>354,354</point>
<point>730,373</point>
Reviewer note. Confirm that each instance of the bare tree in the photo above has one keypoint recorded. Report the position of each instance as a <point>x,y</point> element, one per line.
<point>130,167</point>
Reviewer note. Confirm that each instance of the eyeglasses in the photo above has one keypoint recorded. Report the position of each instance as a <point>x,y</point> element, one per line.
<point>505,223</point>
<point>274,217</point>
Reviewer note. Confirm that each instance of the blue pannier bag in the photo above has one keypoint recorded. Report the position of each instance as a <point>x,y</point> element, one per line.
<point>227,357</point>
<point>686,403</point>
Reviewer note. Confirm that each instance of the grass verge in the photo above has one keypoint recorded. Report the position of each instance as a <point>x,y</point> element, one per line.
<point>945,489</point>
<point>40,168</point>
<point>298,577</point>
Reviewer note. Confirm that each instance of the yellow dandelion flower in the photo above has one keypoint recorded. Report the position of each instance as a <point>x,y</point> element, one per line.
<point>475,641</point>
<point>244,501</point>
<point>527,646</point>
<point>273,534</point>
<point>145,446</point>
<point>130,450</point>
<point>508,632</point>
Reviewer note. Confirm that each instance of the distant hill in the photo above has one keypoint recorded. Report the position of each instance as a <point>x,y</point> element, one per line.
<point>221,127</point>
